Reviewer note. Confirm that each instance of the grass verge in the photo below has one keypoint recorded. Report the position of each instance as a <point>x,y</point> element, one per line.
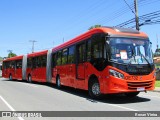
<point>157,83</point>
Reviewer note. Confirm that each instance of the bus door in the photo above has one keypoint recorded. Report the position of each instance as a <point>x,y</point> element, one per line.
<point>80,67</point>
<point>71,72</point>
<point>34,69</point>
<point>13,69</point>
<point>18,71</point>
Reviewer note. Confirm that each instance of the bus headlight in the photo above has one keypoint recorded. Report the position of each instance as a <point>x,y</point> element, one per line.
<point>116,74</point>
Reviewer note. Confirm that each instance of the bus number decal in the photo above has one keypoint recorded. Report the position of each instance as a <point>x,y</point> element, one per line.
<point>131,77</point>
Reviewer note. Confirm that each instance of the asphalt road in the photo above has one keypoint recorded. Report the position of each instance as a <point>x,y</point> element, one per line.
<point>23,96</point>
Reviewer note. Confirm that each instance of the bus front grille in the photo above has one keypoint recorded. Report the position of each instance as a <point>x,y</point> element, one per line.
<point>135,85</point>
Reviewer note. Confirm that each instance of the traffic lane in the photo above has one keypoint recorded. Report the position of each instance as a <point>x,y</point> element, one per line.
<point>50,98</point>
<point>45,98</point>
<point>143,102</point>
<point>4,108</point>
<point>83,95</point>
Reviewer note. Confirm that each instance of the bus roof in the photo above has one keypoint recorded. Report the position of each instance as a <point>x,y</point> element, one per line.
<point>111,31</point>
<point>14,58</point>
<point>44,52</point>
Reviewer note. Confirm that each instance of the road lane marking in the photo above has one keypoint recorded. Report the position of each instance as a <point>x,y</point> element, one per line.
<point>151,96</point>
<point>122,107</point>
<point>9,106</point>
<point>28,84</point>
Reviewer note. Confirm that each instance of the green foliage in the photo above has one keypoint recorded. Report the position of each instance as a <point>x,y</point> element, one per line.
<point>11,55</point>
<point>157,83</point>
<point>157,53</point>
<point>1,58</point>
<point>95,26</point>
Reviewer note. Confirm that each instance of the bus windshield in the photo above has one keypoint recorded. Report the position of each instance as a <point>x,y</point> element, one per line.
<point>130,50</point>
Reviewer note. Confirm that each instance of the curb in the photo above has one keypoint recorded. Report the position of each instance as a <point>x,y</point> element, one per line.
<point>157,89</point>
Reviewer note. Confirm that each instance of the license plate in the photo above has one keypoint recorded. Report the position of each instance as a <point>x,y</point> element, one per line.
<point>141,89</point>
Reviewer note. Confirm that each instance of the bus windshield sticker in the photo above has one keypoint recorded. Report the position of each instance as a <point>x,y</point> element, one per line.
<point>123,54</point>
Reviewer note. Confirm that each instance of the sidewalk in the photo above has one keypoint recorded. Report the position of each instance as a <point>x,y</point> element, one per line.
<point>157,89</point>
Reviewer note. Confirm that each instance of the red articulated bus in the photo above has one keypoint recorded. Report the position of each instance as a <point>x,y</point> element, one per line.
<point>12,68</point>
<point>104,60</point>
<point>27,67</point>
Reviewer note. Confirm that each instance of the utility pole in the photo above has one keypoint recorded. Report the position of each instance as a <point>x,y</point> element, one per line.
<point>33,41</point>
<point>136,15</point>
<point>157,43</point>
<point>63,39</point>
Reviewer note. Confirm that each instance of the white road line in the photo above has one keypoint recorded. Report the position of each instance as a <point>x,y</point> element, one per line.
<point>123,107</point>
<point>28,84</point>
<point>151,96</point>
<point>9,106</point>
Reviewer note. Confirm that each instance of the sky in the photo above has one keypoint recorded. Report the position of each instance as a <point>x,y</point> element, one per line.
<point>51,22</point>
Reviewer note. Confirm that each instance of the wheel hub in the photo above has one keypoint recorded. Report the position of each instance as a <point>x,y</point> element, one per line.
<point>96,89</point>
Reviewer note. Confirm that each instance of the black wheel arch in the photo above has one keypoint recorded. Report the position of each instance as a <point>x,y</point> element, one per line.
<point>92,78</point>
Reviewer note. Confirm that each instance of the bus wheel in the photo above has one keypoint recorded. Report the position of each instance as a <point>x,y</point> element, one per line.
<point>10,77</point>
<point>29,78</point>
<point>131,95</point>
<point>58,82</point>
<point>94,89</point>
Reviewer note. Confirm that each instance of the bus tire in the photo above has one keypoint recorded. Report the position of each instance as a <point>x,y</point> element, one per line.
<point>94,89</point>
<point>58,82</point>
<point>10,77</point>
<point>131,94</point>
<point>29,78</point>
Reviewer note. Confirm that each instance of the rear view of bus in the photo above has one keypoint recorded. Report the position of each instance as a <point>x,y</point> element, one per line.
<point>127,64</point>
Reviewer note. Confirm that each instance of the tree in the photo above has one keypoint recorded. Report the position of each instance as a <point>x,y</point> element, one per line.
<point>157,53</point>
<point>11,55</point>
<point>95,26</point>
<point>1,59</point>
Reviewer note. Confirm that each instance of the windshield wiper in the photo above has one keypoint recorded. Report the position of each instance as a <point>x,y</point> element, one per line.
<point>146,60</point>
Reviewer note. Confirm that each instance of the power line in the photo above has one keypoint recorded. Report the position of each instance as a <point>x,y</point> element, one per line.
<point>129,7</point>
<point>148,19</point>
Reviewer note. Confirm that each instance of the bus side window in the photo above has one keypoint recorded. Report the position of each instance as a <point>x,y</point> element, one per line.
<point>53,60</point>
<point>34,62</point>
<point>64,56</point>
<point>81,52</point>
<point>71,55</point>
<point>12,64</point>
<point>97,47</point>
<point>7,65</point>
<point>4,65</point>
<point>38,62</point>
<point>43,60</point>
<point>29,63</point>
<point>59,58</point>
<point>88,50</point>
<point>19,64</point>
